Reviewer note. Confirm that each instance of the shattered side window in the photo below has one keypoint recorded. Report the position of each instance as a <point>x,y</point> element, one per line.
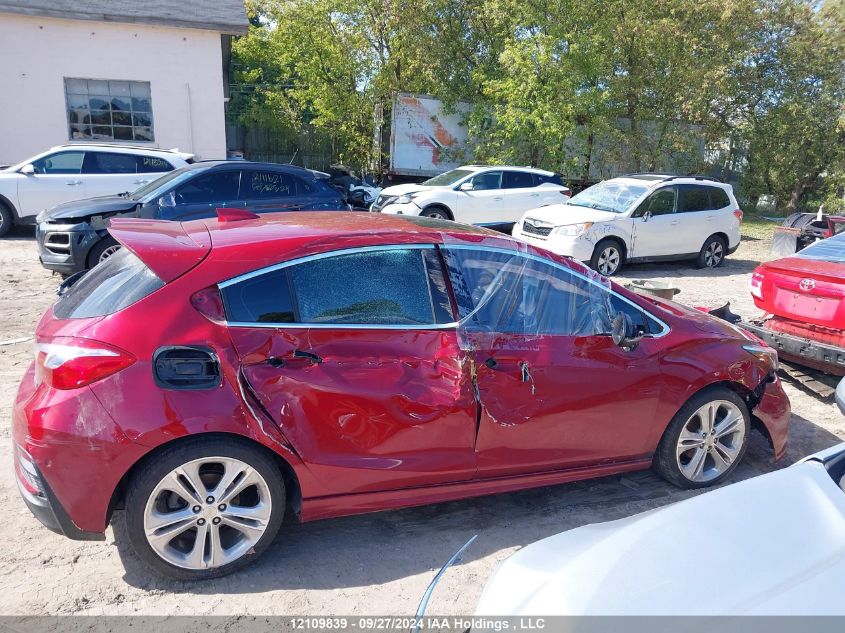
<point>509,292</point>
<point>386,287</point>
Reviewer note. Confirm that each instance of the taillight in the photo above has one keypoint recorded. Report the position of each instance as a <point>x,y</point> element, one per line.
<point>738,215</point>
<point>209,304</point>
<point>757,285</point>
<point>27,474</point>
<point>71,363</point>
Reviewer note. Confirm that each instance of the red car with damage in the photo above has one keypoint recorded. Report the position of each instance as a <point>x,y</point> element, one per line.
<point>803,297</point>
<point>218,377</point>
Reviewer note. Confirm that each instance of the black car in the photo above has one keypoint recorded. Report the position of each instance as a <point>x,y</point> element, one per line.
<point>74,236</point>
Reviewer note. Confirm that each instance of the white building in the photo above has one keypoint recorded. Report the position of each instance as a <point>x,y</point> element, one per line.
<point>151,73</point>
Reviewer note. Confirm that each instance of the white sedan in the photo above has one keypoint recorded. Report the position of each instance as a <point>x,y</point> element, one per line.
<point>771,545</point>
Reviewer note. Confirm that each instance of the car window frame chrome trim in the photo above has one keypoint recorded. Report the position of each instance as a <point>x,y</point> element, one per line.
<point>412,246</point>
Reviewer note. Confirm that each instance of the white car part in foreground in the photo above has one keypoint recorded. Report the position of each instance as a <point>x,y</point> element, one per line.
<point>771,545</point>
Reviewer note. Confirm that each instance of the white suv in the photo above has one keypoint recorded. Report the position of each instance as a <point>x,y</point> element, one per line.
<point>73,172</point>
<point>638,218</point>
<point>475,194</point>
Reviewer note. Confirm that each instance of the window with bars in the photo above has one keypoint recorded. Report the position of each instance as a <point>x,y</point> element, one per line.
<point>106,110</point>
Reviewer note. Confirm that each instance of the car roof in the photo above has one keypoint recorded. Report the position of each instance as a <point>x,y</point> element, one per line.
<point>248,164</point>
<point>655,179</point>
<point>122,149</point>
<point>368,228</point>
<point>533,170</point>
<point>236,247</point>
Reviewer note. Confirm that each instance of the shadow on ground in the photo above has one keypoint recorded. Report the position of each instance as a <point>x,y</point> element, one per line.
<point>376,549</point>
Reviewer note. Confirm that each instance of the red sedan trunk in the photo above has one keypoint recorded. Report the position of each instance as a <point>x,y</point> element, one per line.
<point>805,296</point>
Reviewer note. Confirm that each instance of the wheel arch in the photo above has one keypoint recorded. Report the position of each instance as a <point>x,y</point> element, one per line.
<point>751,398</point>
<point>720,234</point>
<point>438,205</point>
<point>613,237</point>
<point>8,203</point>
<point>291,481</point>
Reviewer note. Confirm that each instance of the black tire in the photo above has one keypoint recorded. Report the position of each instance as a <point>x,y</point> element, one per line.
<point>7,220</point>
<point>713,252</point>
<point>437,212</point>
<point>96,252</point>
<point>154,470</point>
<point>606,249</point>
<point>666,461</point>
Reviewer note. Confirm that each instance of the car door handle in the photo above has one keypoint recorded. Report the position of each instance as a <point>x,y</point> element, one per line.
<point>710,218</point>
<point>498,199</point>
<point>73,183</point>
<point>297,359</point>
<point>140,182</point>
<point>673,222</point>
<point>535,195</point>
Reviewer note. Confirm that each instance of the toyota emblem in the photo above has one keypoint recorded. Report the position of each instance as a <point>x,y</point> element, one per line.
<point>807,284</point>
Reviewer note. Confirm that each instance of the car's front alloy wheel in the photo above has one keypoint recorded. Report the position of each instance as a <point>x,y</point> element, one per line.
<point>205,510</point>
<point>705,440</point>
<point>607,258</point>
<point>710,441</point>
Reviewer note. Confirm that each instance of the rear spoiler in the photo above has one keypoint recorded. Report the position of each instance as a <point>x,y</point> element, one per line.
<point>168,248</point>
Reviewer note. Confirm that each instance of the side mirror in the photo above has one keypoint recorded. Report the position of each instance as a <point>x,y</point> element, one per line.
<point>28,169</point>
<point>167,200</point>
<point>466,186</point>
<point>624,333</point>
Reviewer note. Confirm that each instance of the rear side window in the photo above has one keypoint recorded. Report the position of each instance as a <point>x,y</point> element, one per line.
<point>109,163</point>
<point>517,180</point>
<point>553,179</point>
<point>385,287</point>
<point>693,198</point>
<point>262,299</point>
<point>264,185</point>
<point>152,164</point>
<point>719,198</point>
<point>113,285</point>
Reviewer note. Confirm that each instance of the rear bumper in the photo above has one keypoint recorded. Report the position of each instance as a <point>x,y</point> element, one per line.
<point>47,509</point>
<point>76,455</point>
<point>816,354</point>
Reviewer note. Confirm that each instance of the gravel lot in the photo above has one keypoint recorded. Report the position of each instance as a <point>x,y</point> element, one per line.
<point>373,564</point>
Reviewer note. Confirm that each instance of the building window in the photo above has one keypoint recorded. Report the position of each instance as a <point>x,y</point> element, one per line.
<point>109,110</point>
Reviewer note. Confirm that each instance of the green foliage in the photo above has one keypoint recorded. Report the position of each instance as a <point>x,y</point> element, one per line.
<point>570,85</point>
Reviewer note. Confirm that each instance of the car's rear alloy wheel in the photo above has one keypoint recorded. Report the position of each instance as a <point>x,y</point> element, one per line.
<point>203,517</point>
<point>706,439</point>
<point>712,253</point>
<point>207,513</point>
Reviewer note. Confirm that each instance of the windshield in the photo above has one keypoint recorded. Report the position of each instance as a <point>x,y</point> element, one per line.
<point>610,195</point>
<point>449,178</point>
<point>160,186</point>
<point>829,250</point>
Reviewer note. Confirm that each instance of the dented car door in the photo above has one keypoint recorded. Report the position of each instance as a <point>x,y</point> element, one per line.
<point>354,355</point>
<point>554,390</point>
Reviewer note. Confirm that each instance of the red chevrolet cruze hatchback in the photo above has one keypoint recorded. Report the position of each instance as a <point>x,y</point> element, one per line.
<point>218,377</point>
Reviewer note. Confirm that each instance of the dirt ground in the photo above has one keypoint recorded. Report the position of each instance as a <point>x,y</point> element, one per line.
<point>372,564</point>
